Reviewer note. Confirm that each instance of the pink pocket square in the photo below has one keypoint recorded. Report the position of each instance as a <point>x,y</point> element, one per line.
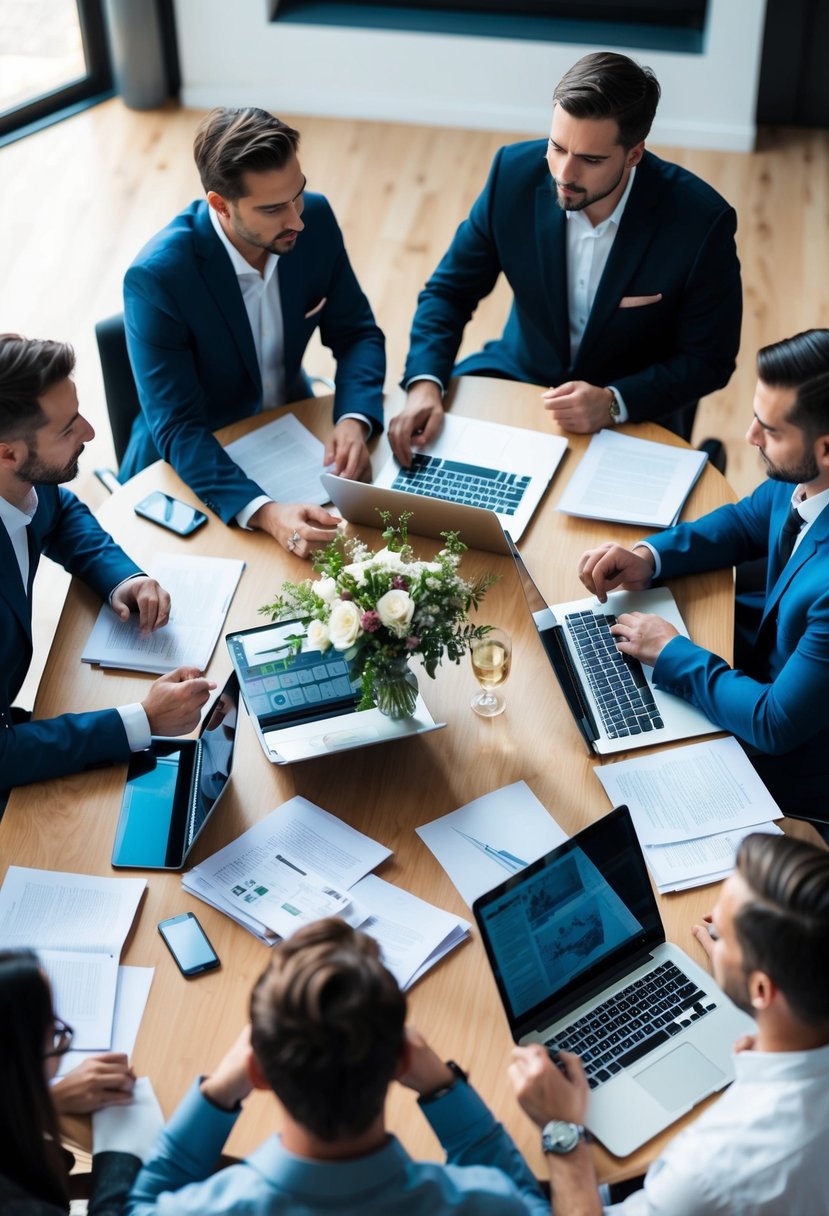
<point>639,301</point>
<point>312,312</point>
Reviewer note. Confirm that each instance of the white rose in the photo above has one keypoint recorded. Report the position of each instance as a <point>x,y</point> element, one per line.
<point>344,624</point>
<point>326,589</point>
<point>317,635</point>
<point>357,571</point>
<point>395,610</point>
<point>389,559</point>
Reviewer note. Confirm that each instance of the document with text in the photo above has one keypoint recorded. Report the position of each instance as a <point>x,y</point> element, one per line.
<point>632,481</point>
<point>201,590</point>
<point>77,925</point>
<point>284,458</point>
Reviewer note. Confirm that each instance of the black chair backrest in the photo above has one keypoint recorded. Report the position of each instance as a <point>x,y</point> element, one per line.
<point>123,406</point>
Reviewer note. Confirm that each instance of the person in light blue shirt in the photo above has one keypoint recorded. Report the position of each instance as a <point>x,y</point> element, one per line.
<point>328,1034</point>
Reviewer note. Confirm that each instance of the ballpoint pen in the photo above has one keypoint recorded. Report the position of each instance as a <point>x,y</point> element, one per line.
<point>503,858</point>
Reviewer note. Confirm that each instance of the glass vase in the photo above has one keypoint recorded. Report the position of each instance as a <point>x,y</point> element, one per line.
<point>395,689</point>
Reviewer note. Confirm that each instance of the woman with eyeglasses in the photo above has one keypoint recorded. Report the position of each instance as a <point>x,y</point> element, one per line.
<point>34,1168</point>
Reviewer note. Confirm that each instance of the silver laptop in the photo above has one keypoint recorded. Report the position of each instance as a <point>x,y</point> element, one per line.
<point>578,951</point>
<point>483,465</point>
<point>611,695</point>
<point>304,705</point>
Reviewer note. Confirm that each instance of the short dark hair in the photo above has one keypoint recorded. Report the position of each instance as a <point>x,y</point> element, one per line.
<point>606,85</point>
<point>784,927</point>
<point>232,142</point>
<point>801,363</point>
<point>29,367</point>
<point>328,1028</point>
<point>29,1134</point>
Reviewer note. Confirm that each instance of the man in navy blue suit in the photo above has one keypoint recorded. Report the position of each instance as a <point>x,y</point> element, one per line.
<point>42,434</point>
<point>775,699</point>
<point>625,278</point>
<point>219,308</point>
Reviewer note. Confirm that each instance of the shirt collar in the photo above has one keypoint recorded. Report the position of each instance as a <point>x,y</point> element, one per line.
<point>809,508</point>
<point>322,1179</point>
<point>239,264</point>
<point>615,216</point>
<point>16,518</point>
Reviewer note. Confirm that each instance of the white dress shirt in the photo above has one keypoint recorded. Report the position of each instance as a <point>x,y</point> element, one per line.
<point>761,1150</point>
<point>16,520</point>
<point>588,249</point>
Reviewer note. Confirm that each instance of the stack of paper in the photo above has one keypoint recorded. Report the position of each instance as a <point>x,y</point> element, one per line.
<point>200,588</point>
<point>284,458</point>
<point>77,925</point>
<point>632,481</point>
<point>691,806</point>
<point>299,864</point>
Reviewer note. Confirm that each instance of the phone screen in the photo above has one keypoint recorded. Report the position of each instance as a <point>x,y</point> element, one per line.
<point>178,516</point>
<point>188,944</point>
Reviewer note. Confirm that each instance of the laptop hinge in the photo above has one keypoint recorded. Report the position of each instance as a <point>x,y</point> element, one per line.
<point>591,991</point>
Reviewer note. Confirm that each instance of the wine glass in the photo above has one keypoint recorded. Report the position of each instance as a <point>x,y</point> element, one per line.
<point>491,657</point>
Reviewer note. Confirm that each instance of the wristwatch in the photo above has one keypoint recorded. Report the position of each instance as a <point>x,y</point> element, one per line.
<point>613,407</point>
<point>561,1137</point>
<point>459,1075</point>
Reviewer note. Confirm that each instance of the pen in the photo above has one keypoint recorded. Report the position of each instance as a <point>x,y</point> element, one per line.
<point>503,858</point>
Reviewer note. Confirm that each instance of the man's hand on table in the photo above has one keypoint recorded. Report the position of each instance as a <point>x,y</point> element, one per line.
<point>299,528</point>
<point>579,407</point>
<point>104,1080</point>
<point>612,568</point>
<point>346,453</point>
<point>174,703</point>
<point>143,595</point>
<point>419,422</point>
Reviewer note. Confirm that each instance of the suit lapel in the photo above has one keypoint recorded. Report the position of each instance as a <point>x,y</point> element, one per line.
<point>551,241</point>
<point>813,542</point>
<point>220,279</point>
<point>11,587</point>
<point>629,248</point>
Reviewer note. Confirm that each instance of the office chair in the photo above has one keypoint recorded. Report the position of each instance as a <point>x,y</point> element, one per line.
<point>121,394</point>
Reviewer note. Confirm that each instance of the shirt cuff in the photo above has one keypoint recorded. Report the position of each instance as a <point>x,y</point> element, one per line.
<point>433,379</point>
<point>243,516</point>
<point>137,726</point>
<point>367,423</point>
<point>657,561</point>
<point>620,401</point>
<point>141,574</point>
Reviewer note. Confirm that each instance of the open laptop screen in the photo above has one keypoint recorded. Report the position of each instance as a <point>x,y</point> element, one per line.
<point>555,932</point>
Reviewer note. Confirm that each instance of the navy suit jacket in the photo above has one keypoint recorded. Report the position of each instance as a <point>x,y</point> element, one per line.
<point>780,706</point>
<point>192,351</point>
<point>676,239</point>
<point>65,530</point>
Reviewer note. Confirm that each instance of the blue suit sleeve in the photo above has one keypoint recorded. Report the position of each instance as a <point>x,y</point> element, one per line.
<point>470,1135</point>
<point>466,274</point>
<point>706,331</point>
<point>54,747</point>
<point>78,543</point>
<point>173,399</point>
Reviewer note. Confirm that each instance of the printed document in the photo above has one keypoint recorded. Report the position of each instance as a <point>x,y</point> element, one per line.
<point>284,458</point>
<point>77,925</point>
<point>130,1002</point>
<point>201,589</point>
<point>632,481</point>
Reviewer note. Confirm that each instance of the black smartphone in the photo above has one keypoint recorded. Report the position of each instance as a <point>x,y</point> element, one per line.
<point>171,513</point>
<point>188,944</point>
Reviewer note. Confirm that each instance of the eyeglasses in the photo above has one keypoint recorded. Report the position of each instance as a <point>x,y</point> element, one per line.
<point>62,1036</point>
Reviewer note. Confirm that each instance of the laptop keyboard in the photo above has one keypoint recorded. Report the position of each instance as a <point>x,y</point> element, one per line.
<point>623,1029</point>
<point>470,484</point>
<point>617,681</point>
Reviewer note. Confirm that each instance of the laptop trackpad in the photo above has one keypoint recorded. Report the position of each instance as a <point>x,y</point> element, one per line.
<point>680,1078</point>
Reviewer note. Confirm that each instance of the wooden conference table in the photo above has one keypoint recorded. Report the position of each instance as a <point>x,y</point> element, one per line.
<point>385,791</point>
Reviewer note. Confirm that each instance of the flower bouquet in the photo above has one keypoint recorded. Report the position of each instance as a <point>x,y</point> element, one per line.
<point>381,608</point>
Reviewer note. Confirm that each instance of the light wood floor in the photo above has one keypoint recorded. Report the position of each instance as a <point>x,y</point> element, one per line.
<point>79,199</point>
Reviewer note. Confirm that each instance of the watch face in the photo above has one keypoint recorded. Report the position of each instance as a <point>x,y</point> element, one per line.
<point>560,1137</point>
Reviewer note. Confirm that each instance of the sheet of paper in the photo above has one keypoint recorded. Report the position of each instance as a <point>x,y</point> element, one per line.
<point>83,993</point>
<point>283,894</point>
<point>130,1002</point>
<point>702,789</point>
<point>634,481</point>
<point>409,931</point>
<point>696,862</point>
<point>482,843</point>
<point>47,910</point>
<point>284,458</point>
<point>201,589</point>
<point>129,1129</point>
<point>195,884</point>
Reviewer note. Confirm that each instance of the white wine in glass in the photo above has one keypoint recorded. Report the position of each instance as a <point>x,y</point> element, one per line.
<point>491,658</point>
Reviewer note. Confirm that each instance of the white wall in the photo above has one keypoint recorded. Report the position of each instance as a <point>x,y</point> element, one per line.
<point>232,55</point>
